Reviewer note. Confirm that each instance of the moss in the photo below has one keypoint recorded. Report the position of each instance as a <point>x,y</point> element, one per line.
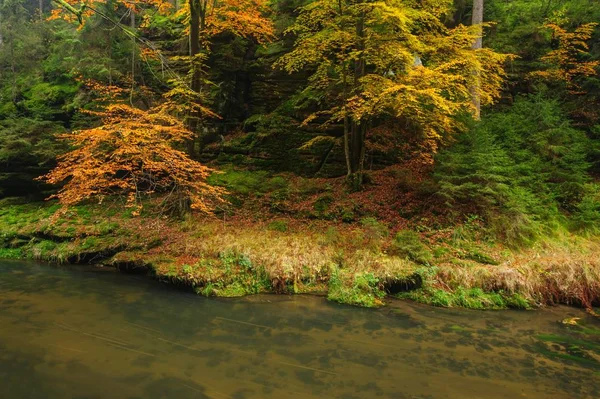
<point>107,228</point>
<point>11,253</point>
<point>235,289</point>
<point>89,243</point>
<point>439,252</point>
<point>246,182</point>
<point>361,289</point>
<point>278,200</point>
<point>321,205</point>
<point>305,187</point>
<point>471,298</point>
<point>480,257</point>
<point>278,225</point>
<point>408,244</point>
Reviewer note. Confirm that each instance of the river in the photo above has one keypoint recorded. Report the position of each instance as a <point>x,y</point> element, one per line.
<point>87,332</point>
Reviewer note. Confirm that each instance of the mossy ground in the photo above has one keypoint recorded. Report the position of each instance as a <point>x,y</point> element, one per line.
<point>271,240</point>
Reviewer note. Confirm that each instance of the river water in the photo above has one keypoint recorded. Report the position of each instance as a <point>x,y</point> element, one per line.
<point>79,332</point>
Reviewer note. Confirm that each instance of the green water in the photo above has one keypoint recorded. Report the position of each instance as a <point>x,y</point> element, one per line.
<point>76,332</point>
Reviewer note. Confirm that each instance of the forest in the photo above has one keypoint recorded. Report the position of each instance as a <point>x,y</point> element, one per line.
<point>445,152</point>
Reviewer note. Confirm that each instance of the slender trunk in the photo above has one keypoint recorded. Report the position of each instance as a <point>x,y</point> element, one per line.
<point>358,127</point>
<point>41,9</point>
<point>132,26</point>
<point>13,67</point>
<point>202,9</point>
<point>110,55</point>
<point>345,102</point>
<point>346,122</point>
<point>1,37</point>
<point>477,19</point>
<point>13,70</point>
<point>192,122</point>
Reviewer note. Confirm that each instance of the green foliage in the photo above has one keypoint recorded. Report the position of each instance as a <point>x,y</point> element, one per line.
<point>519,23</point>
<point>523,169</point>
<point>11,253</point>
<point>361,289</point>
<point>473,298</point>
<point>322,206</point>
<point>246,182</point>
<point>586,219</point>
<point>408,244</point>
<point>479,257</point>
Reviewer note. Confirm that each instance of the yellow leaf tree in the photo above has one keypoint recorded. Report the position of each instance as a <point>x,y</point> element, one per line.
<point>567,64</point>
<point>390,59</point>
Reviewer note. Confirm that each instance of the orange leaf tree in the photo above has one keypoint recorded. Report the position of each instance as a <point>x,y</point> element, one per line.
<point>132,154</point>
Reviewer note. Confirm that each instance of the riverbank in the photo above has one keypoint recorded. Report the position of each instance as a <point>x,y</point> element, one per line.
<point>355,263</point>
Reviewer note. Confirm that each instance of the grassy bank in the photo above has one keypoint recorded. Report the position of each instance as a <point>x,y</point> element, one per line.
<point>360,263</point>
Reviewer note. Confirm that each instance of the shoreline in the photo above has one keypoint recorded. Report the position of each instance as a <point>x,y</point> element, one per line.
<point>350,264</point>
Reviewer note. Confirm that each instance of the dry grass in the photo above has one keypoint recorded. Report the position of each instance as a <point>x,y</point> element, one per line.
<point>286,257</point>
<point>567,273</point>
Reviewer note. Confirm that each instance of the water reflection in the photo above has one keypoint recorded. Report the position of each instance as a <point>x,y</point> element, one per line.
<point>92,333</point>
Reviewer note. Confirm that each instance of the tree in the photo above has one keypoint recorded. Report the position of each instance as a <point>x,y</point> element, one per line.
<point>567,64</point>
<point>477,20</point>
<point>389,59</point>
<point>207,18</point>
<point>132,154</point>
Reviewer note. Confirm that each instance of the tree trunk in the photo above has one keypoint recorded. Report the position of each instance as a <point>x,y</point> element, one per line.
<point>41,8</point>
<point>1,38</point>
<point>13,70</point>
<point>132,26</point>
<point>358,128</point>
<point>477,19</point>
<point>192,122</point>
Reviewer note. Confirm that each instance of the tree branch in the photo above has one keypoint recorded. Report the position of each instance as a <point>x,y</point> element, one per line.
<point>73,10</point>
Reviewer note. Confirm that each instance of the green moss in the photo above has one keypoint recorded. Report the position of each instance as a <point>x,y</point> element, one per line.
<point>306,187</point>
<point>89,243</point>
<point>472,298</point>
<point>105,228</point>
<point>278,225</point>
<point>275,183</point>
<point>439,252</point>
<point>246,182</point>
<point>362,289</point>
<point>235,289</point>
<point>322,204</point>
<point>408,244</point>
<point>11,253</point>
<point>480,257</point>
<point>568,341</point>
